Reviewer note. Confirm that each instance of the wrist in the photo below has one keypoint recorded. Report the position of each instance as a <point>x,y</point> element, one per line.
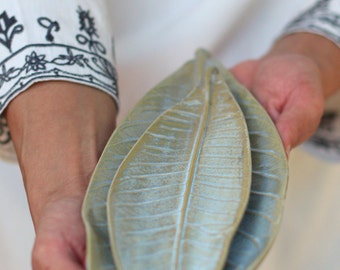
<point>59,130</point>
<point>323,53</point>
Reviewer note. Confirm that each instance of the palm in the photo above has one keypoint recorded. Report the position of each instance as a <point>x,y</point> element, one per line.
<point>289,88</point>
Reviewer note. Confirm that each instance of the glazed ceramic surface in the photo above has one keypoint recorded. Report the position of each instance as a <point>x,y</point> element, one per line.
<point>194,178</point>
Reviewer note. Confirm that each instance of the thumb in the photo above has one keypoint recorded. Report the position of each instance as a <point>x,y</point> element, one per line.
<point>245,71</point>
<point>297,122</point>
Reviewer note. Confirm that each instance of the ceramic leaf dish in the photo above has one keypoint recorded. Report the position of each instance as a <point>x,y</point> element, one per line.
<point>194,178</point>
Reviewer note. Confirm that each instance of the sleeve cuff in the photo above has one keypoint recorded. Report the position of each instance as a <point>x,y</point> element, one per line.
<point>51,45</point>
<point>322,19</point>
<point>69,40</point>
<point>42,62</point>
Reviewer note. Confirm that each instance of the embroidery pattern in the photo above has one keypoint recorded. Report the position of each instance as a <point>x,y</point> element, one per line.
<point>87,25</point>
<point>326,136</point>
<point>319,18</point>
<point>35,62</point>
<point>8,29</point>
<point>50,26</point>
<point>70,59</point>
<point>8,75</point>
<point>93,68</point>
<point>5,136</point>
<point>87,65</point>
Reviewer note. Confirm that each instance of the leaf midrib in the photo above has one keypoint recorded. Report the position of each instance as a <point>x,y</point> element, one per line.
<point>194,162</point>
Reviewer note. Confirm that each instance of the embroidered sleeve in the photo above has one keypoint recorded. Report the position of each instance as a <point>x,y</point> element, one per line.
<point>53,40</point>
<point>323,18</point>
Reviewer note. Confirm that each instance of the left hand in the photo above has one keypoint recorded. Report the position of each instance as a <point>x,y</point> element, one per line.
<point>289,88</point>
<point>292,82</point>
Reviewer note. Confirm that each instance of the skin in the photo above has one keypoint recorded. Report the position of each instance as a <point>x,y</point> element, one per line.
<point>59,130</point>
<point>292,82</point>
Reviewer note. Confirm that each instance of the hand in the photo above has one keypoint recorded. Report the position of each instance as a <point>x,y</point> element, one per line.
<point>59,130</point>
<point>289,88</point>
<point>60,241</point>
<point>292,81</point>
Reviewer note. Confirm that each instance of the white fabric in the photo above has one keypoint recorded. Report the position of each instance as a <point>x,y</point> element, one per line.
<point>325,142</point>
<point>53,40</point>
<point>30,52</point>
<point>323,19</point>
<point>152,39</point>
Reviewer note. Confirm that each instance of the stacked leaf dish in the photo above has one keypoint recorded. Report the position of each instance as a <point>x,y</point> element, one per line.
<point>194,178</point>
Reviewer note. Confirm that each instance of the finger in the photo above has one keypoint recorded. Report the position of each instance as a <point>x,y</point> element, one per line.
<point>244,72</point>
<point>298,120</point>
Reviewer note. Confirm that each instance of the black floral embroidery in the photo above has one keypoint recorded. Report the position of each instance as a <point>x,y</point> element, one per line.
<point>5,136</point>
<point>105,67</point>
<point>91,67</point>
<point>327,120</point>
<point>7,75</point>
<point>35,62</point>
<point>324,136</point>
<point>8,29</point>
<point>319,18</point>
<point>39,62</point>
<point>50,26</point>
<point>70,59</point>
<point>87,22</point>
<point>87,25</point>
